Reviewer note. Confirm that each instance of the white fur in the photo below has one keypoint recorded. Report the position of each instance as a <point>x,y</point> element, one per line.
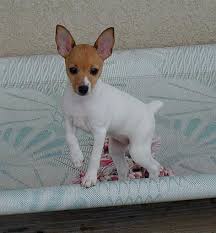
<point>108,111</point>
<point>87,83</point>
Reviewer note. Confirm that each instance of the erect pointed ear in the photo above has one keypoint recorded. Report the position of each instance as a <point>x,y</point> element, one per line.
<point>64,41</point>
<point>105,42</point>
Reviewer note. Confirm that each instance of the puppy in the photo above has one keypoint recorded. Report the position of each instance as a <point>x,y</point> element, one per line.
<point>103,110</point>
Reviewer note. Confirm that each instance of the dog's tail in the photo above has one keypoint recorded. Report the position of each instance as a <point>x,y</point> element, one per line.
<point>154,106</point>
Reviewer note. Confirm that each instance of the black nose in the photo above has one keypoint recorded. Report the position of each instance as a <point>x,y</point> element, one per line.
<point>83,89</point>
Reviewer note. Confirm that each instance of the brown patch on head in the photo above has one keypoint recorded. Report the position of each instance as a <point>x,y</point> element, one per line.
<point>85,59</point>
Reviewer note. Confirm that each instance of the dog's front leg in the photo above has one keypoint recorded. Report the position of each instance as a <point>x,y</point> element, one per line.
<point>90,177</point>
<point>76,154</point>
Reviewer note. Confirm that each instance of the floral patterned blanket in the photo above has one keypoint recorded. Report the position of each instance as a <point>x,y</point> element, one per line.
<point>108,172</point>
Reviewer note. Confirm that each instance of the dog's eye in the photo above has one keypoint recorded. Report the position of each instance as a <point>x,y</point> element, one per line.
<point>93,71</point>
<point>73,70</point>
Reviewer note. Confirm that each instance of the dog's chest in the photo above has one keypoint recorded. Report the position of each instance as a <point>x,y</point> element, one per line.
<point>81,122</point>
<point>86,116</point>
<point>88,112</point>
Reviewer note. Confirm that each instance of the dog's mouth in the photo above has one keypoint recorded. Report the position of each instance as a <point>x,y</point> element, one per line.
<point>81,94</point>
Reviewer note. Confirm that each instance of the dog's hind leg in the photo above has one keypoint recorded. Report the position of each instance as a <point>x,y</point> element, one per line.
<point>117,151</point>
<point>141,154</point>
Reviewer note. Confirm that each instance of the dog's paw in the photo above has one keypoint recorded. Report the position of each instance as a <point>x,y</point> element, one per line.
<point>77,160</point>
<point>155,171</point>
<point>154,175</point>
<point>89,180</point>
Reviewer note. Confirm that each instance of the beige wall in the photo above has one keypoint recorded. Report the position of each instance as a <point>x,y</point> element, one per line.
<point>27,26</point>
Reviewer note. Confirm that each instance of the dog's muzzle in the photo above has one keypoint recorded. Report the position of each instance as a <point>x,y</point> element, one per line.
<point>83,90</point>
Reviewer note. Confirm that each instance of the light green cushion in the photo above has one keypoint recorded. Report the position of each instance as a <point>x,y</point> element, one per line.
<point>35,169</point>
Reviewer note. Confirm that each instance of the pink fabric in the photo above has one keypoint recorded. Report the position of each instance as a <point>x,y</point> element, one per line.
<point>107,171</point>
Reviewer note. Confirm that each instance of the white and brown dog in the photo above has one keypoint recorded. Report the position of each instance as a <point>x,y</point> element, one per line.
<point>103,110</point>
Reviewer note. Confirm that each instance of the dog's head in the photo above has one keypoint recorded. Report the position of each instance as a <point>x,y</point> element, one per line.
<point>84,62</point>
